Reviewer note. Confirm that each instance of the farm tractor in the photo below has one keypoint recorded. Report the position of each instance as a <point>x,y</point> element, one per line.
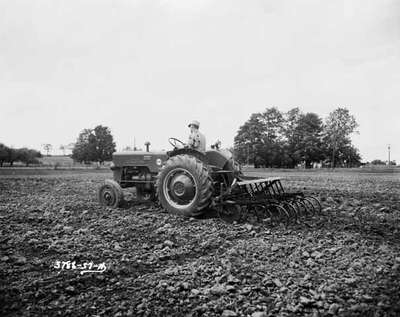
<point>190,183</point>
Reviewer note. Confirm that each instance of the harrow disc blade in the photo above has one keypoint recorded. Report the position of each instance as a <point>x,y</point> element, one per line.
<point>310,207</point>
<point>262,213</point>
<point>296,208</point>
<point>300,208</point>
<point>278,209</point>
<point>291,211</point>
<point>316,203</point>
<point>307,212</point>
<point>230,212</point>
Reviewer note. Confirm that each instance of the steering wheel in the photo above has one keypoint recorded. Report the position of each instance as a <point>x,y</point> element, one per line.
<point>174,141</point>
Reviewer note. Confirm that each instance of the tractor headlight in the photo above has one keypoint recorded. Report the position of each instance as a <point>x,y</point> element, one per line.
<point>159,162</point>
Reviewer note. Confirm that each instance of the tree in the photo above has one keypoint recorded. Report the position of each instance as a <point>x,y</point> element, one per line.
<point>94,145</point>
<point>47,147</point>
<point>292,118</point>
<point>13,155</point>
<point>28,156</point>
<point>273,121</point>
<point>271,149</point>
<point>339,125</point>
<point>276,139</point>
<point>249,134</point>
<point>307,144</point>
<point>349,156</point>
<point>85,147</point>
<point>105,145</point>
<point>259,140</point>
<point>3,154</point>
<point>24,155</point>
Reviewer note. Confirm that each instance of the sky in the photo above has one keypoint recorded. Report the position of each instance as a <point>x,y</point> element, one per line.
<point>147,68</point>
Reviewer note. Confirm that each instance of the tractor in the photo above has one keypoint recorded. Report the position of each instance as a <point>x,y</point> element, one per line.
<point>190,183</point>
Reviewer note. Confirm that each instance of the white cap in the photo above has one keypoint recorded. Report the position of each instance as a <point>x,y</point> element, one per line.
<point>195,122</point>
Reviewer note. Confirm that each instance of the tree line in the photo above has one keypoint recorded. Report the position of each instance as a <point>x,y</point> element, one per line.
<point>286,139</point>
<point>267,139</point>
<point>92,145</point>
<point>380,162</point>
<point>10,155</point>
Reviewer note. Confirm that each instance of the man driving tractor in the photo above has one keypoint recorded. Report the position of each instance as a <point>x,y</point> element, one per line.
<point>196,139</point>
<point>188,181</point>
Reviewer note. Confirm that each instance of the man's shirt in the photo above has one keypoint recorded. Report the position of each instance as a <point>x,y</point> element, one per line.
<point>197,141</point>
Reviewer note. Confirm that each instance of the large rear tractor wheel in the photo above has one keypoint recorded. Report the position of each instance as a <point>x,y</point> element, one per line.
<point>110,194</point>
<point>184,186</point>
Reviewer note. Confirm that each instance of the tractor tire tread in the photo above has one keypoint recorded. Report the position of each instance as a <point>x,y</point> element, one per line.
<point>205,183</point>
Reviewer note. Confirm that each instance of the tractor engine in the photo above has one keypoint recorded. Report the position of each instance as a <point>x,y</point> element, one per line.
<point>138,181</point>
<point>137,175</point>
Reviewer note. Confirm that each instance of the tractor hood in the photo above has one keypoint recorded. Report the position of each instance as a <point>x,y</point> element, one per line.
<point>153,160</point>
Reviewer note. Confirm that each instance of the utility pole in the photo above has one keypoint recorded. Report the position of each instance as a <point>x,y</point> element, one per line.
<point>389,154</point>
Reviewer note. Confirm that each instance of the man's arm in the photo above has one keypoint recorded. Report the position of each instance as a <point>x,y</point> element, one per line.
<point>190,141</point>
<point>194,140</point>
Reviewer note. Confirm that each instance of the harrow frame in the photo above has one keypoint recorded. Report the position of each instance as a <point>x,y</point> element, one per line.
<point>266,199</point>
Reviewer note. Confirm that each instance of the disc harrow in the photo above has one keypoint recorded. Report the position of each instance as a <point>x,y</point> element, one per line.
<point>266,200</point>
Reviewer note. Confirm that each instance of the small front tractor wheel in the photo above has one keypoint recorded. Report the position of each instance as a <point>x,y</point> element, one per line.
<point>184,186</point>
<point>110,194</point>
